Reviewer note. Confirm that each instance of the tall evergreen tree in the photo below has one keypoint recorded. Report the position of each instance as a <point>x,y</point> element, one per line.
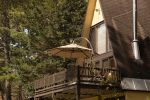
<point>5,31</point>
<point>49,23</point>
<point>5,36</point>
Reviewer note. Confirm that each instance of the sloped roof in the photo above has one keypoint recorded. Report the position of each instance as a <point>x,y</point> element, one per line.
<point>118,18</point>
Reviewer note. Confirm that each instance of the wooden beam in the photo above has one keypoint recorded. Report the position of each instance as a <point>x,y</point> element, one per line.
<point>54,91</point>
<point>88,20</point>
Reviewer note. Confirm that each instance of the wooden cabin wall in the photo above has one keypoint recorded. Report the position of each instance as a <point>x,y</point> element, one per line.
<point>92,98</point>
<point>137,95</point>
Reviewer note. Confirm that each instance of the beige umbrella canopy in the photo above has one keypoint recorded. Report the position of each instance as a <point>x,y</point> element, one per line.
<point>71,51</point>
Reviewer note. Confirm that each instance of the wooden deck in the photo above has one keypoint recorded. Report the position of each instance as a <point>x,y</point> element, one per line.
<point>77,77</point>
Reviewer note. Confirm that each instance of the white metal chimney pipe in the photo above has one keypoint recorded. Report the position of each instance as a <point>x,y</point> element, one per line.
<point>135,44</point>
<point>136,50</point>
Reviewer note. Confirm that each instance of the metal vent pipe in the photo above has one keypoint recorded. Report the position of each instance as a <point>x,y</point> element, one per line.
<point>135,44</point>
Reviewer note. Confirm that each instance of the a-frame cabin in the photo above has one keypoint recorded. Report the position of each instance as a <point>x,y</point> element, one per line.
<point>118,17</point>
<point>116,75</point>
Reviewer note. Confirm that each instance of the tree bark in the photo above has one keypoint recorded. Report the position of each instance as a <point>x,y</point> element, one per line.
<point>6,85</point>
<point>20,93</point>
<point>6,94</point>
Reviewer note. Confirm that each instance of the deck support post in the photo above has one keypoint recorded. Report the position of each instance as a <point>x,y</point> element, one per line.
<point>53,96</point>
<point>78,84</point>
<point>36,98</point>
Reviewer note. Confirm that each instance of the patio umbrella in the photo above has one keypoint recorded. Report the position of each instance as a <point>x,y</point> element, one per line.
<point>71,51</point>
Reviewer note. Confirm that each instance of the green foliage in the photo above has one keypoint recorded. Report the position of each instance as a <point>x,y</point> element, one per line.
<point>4,30</point>
<point>67,19</point>
<point>54,23</point>
<point>20,38</point>
<point>6,73</point>
<point>50,23</point>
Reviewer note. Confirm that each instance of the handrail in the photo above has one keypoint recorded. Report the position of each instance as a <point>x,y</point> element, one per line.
<point>86,75</point>
<point>99,74</point>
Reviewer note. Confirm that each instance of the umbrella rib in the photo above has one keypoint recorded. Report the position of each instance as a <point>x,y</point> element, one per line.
<point>84,53</point>
<point>57,52</point>
<point>72,53</point>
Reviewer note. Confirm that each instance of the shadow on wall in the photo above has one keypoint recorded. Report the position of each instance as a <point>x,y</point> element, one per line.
<point>122,48</point>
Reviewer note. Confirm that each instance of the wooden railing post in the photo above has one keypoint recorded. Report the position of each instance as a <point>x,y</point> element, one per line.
<point>78,84</point>
<point>36,98</point>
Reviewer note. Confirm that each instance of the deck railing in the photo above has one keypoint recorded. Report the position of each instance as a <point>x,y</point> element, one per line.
<point>99,75</point>
<point>50,80</point>
<point>86,75</point>
<point>102,74</point>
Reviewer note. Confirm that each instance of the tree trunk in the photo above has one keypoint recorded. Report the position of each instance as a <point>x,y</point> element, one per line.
<point>6,94</point>
<point>20,93</point>
<point>6,86</point>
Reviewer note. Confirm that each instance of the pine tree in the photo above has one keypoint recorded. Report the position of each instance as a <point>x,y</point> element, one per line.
<point>49,23</point>
<point>5,36</point>
<point>5,30</point>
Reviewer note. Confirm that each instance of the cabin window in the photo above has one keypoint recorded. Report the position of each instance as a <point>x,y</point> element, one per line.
<point>93,39</point>
<point>105,63</point>
<point>108,63</point>
<point>101,41</point>
<point>97,64</point>
<point>112,62</point>
<point>99,38</point>
<point>109,48</point>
